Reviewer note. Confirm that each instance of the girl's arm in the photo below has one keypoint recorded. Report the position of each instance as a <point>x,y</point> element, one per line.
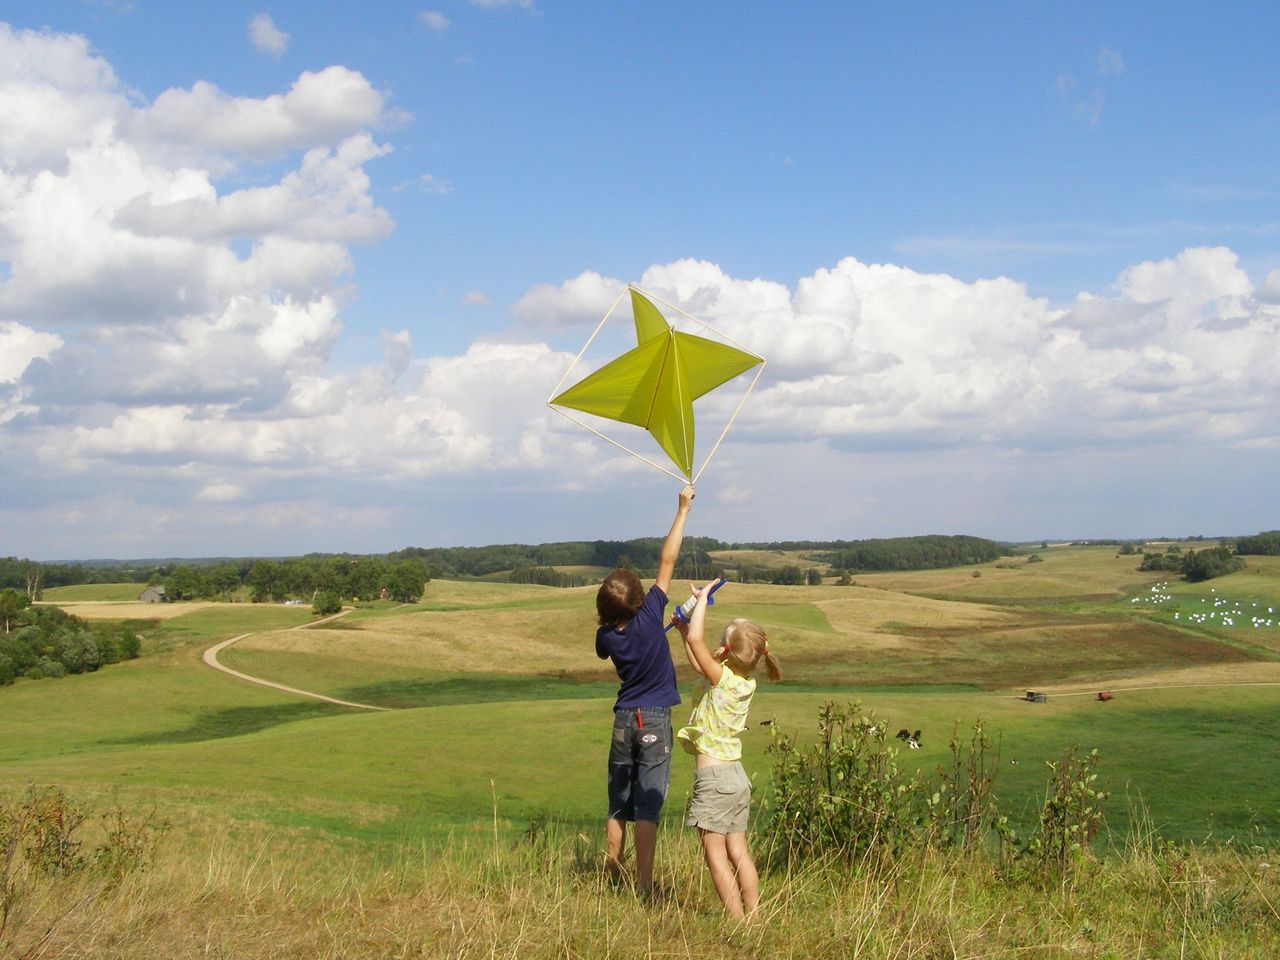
<point>700,658</point>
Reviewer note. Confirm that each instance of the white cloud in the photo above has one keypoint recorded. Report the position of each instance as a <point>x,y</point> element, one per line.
<point>266,36</point>
<point>19,345</point>
<point>576,302</point>
<point>434,20</point>
<point>477,298</point>
<point>321,107</point>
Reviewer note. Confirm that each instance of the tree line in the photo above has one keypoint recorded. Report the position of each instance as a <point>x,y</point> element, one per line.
<point>910,553</point>
<point>347,577</point>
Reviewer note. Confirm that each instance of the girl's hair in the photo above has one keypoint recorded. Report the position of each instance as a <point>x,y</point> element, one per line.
<point>619,598</point>
<point>748,645</point>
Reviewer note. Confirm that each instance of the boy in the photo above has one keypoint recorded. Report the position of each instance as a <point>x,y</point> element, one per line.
<point>632,634</point>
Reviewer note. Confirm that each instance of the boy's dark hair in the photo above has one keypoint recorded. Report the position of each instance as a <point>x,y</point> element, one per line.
<point>619,598</point>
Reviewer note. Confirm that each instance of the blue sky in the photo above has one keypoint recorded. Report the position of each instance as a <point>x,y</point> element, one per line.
<point>273,281</point>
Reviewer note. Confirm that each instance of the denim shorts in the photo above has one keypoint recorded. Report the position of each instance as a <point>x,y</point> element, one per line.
<point>639,763</point>
<point>721,801</point>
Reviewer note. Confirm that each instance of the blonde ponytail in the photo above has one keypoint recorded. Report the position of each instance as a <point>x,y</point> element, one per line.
<point>748,645</point>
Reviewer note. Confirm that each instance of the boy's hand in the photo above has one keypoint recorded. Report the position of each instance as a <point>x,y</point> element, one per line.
<point>681,627</point>
<point>686,497</point>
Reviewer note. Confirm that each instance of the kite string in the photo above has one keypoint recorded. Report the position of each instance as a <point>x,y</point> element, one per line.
<point>600,326</point>
<point>725,432</point>
<point>703,324</point>
<point>610,440</point>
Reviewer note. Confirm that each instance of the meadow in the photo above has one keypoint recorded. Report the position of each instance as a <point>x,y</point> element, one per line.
<point>481,788</point>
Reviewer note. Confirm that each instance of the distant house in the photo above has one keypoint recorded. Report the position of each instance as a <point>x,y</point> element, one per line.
<point>153,595</point>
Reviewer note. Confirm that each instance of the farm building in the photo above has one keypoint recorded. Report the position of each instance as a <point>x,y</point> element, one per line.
<point>153,595</point>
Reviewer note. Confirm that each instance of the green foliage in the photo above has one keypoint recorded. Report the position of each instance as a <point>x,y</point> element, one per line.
<point>1194,565</point>
<point>845,796</point>
<point>962,809</point>
<point>1071,815</point>
<point>911,553</point>
<point>1035,558</point>
<point>326,603</point>
<point>12,603</point>
<point>1161,562</point>
<point>1209,563</point>
<point>789,576</point>
<point>48,642</point>
<point>1262,544</point>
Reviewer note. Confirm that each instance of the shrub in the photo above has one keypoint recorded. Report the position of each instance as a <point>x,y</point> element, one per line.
<point>1071,815</point>
<point>326,603</point>
<point>844,796</point>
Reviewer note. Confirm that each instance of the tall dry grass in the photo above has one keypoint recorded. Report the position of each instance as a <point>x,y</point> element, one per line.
<point>232,891</point>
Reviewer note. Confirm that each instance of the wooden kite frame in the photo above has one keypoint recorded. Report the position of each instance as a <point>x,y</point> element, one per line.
<point>639,456</point>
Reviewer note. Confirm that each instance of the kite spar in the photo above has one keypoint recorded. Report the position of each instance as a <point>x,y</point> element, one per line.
<point>653,385</point>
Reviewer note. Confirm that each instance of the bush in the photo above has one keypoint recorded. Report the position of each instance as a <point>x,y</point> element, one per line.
<point>844,796</point>
<point>326,604</point>
<point>130,645</point>
<point>1071,815</point>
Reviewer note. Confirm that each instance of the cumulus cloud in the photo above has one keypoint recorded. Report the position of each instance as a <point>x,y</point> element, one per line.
<point>319,108</point>
<point>581,300</point>
<point>266,36</point>
<point>874,354</point>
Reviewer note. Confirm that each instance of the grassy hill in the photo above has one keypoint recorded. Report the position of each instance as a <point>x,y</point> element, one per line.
<point>500,728</point>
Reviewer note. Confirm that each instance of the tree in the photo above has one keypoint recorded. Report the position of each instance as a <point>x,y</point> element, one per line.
<point>1209,563</point>
<point>11,604</point>
<point>264,580</point>
<point>326,604</point>
<point>406,581</point>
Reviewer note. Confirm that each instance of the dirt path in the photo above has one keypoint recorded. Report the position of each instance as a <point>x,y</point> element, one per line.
<point>211,658</point>
<point>1157,686</point>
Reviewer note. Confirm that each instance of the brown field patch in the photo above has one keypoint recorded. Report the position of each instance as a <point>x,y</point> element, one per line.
<point>131,609</point>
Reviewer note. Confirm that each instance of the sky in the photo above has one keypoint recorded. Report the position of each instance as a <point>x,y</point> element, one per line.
<point>294,277</point>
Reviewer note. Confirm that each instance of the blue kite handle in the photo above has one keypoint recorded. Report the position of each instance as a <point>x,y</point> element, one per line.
<point>683,614</point>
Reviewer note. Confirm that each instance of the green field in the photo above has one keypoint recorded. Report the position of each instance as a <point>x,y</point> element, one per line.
<point>94,592</point>
<point>496,693</point>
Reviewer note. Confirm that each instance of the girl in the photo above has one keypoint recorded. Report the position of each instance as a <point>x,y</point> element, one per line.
<point>721,791</point>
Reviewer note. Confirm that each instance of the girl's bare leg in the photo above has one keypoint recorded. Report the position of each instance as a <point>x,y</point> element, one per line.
<point>745,868</point>
<point>716,854</point>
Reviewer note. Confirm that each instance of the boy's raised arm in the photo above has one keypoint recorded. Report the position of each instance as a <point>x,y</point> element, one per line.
<point>671,546</point>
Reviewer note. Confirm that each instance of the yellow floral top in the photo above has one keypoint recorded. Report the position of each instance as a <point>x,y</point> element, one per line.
<point>719,715</point>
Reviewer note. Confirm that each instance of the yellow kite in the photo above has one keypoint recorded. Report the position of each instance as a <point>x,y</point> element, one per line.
<point>654,384</point>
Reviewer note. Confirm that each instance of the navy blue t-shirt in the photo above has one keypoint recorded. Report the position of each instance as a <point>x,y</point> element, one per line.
<point>641,656</point>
